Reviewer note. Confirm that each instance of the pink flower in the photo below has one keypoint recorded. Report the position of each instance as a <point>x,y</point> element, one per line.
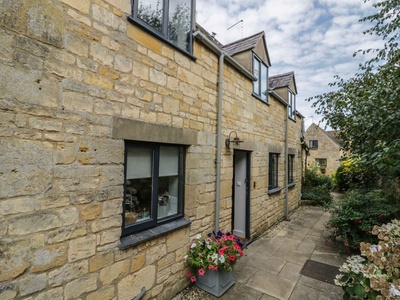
<point>193,278</point>
<point>201,255</point>
<point>201,272</point>
<point>188,274</point>
<point>215,267</point>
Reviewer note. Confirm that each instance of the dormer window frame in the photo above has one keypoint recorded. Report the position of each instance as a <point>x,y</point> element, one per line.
<point>163,32</point>
<point>260,69</point>
<point>291,104</point>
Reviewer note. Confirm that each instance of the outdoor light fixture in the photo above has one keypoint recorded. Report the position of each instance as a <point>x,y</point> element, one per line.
<point>235,139</point>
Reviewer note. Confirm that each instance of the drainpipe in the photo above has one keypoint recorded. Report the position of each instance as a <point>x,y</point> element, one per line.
<point>222,57</point>
<point>219,138</point>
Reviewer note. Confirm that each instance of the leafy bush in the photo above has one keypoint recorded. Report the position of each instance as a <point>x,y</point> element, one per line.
<point>320,195</point>
<point>375,274</point>
<point>353,217</point>
<point>316,187</point>
<point>354,173</point>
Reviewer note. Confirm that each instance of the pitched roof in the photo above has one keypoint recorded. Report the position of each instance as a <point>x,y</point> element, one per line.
<point>281,80</point>
<point>210,36</point>
<point>333,135</point>
<point>243,44</point>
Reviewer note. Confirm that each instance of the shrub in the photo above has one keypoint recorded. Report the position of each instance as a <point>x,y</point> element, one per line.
<point>354,216</point>
<point>352,174</point>
<point>376,273</point>
<point>316,187</point>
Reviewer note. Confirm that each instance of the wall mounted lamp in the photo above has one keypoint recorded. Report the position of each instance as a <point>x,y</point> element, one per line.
<point>235,140</point>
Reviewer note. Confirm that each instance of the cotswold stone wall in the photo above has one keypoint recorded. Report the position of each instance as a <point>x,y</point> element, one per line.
<point>68,70</point>
<point>327,149</point>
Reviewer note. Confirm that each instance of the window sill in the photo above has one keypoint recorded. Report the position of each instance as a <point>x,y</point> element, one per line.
<point>259,98</point>
<point>153,233</point>
<point>291,185</point>
<point>274,190</point>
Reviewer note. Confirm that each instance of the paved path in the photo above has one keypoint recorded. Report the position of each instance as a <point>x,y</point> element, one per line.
<point>272,265</point>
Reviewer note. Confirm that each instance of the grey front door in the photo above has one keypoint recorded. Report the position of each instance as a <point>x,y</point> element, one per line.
<point>241,194</point>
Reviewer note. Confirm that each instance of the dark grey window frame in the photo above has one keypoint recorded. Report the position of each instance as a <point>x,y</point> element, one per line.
<point>273,174</point>
<point>313,144</point>
<point>154,222</point>
<point>257,94</point>
<point>291,159</point>
<point>164,34</point>
<point>291,105</point>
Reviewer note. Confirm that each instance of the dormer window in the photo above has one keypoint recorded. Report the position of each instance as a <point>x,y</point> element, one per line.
<point>171,20</point>
<point>291,104</point>
<point>260,86</point>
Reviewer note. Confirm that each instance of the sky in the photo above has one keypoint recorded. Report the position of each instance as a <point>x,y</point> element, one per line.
<point>316,39</point>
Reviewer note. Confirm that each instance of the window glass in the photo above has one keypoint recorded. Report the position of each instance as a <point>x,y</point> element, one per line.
<point>151,12</point>
<point>313,144</point>
<point>154,181</point>
<point>171,20</point>
<point>138,183</point>
<point>292,104</point>
<point>260,86</point>
<point>263,82</point>
<point>256,73</point>
<point>290,168</point>
<point>273,171</point>
<point>179,23</point>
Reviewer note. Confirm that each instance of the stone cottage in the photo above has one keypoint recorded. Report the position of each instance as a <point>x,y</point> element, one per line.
<point>125,131</point>
<point>325,149</point>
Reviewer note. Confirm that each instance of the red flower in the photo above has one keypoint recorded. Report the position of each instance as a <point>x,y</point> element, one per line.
<point>193,278</point>
<point>201,272</point>
<point>188,274</point>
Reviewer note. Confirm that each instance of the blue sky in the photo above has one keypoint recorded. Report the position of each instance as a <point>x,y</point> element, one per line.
<point>314,38</point>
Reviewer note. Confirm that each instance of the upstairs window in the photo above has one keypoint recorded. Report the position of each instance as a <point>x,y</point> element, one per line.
<point>154,183</point>
<point>172,20</point>
<point>260,86</point>
<point>313,144</point>
<point>292,105</point>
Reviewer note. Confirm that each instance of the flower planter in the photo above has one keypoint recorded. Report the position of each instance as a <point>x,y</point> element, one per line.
<point>215,282</point>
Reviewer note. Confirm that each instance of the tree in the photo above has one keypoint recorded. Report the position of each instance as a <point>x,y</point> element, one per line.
<point>366,108</point>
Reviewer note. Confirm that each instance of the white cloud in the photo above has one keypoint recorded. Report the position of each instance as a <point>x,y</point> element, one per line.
<point>314,38</point>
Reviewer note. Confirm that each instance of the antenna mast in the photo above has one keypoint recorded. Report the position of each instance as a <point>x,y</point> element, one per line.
<point>241,26</point>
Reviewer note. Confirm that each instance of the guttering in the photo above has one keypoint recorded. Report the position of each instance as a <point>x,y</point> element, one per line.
<point>222,56</point>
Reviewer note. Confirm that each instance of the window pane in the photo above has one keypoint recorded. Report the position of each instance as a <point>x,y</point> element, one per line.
<point>256,73</point>
<point>273,171</point>
<point>168,182</point>
<point>138,186</point>
<point>179,23</point>
<point>264,82</point>
<point>151,12</point>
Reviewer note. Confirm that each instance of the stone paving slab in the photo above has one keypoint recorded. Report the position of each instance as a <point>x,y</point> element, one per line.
<point>272,265</point>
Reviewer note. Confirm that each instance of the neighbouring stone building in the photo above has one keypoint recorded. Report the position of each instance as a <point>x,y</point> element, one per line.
<point>125,131</point>
<point>325,149</point>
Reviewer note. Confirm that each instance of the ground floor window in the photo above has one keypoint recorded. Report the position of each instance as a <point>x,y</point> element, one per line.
<point>322,163</point>
<point>290,168</point>
<point>273,171</point>
<point>154,182</point>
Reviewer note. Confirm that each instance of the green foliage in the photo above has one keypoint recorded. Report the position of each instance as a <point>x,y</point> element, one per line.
<point>316,187</point>
<point>350,174</point>
<point>353,217</point>
<point>366,108</point>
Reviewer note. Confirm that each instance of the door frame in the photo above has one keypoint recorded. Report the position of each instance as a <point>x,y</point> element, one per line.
<point>248,190</point>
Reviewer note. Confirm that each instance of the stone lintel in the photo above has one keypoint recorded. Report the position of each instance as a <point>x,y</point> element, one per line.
<point>148,132</point>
